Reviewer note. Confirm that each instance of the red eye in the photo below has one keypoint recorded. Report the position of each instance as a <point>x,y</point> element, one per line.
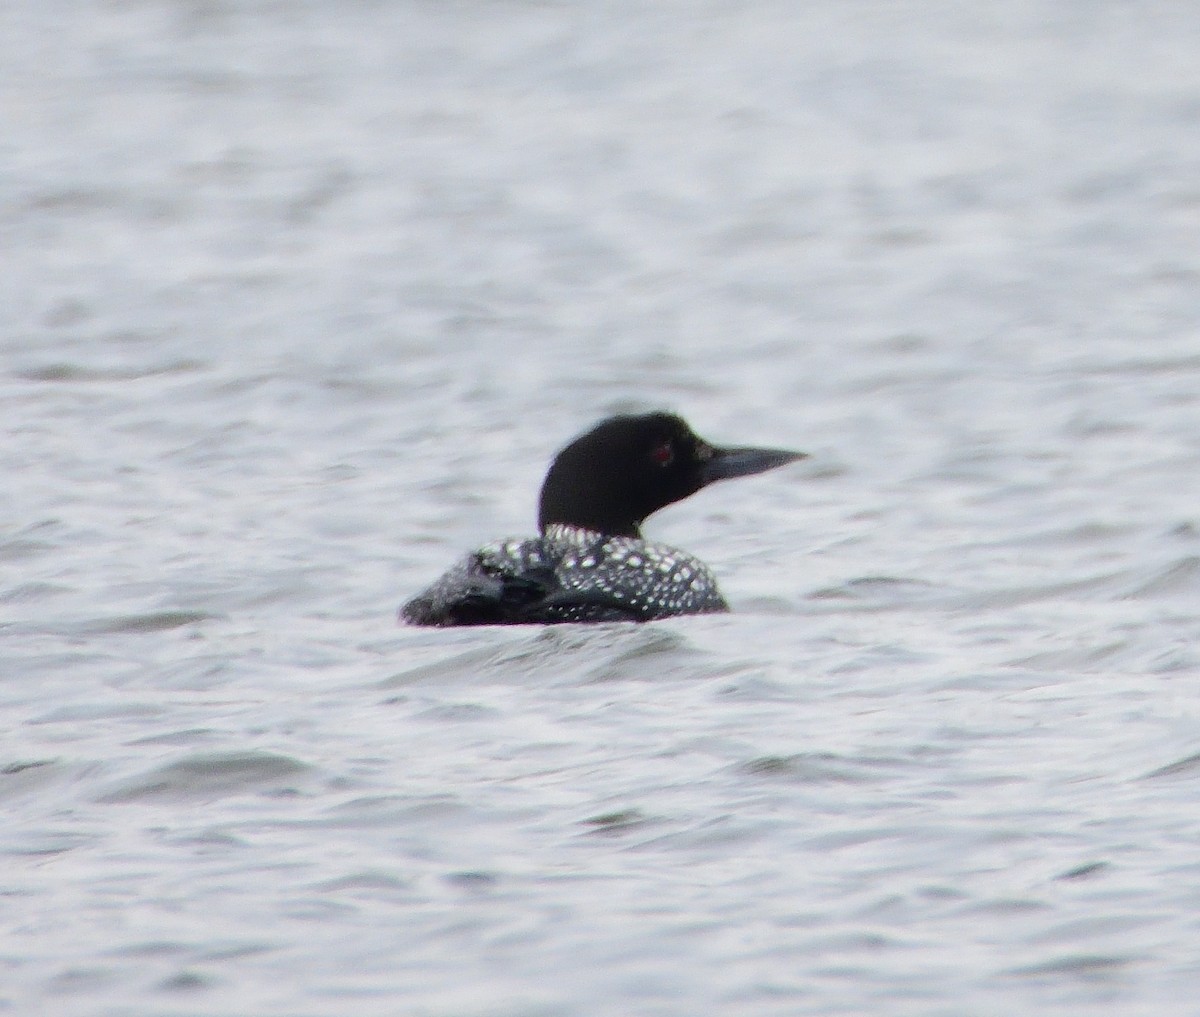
<point>663,454</point>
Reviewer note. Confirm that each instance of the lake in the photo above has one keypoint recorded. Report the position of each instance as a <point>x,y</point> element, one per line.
<point>299,301</point>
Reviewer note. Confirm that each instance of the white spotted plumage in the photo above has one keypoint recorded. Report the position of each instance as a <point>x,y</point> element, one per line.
<point>590,563</point>
<point>648,580</point>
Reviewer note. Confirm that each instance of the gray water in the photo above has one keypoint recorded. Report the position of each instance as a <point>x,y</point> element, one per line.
<point>298,300</point>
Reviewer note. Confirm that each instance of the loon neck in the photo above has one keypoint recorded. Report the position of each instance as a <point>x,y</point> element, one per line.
<point>594,506</point>
<point>576,533</point>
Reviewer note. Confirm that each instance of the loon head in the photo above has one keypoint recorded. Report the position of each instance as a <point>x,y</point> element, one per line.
<point>611,478</point>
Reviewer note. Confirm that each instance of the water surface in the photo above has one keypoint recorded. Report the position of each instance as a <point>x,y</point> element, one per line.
<point>299,300</point>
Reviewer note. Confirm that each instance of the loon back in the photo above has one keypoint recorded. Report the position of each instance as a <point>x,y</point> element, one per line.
<point>568,575</point>
<point>590,563</point>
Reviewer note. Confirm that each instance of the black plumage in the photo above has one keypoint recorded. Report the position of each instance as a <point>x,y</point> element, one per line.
<point>590,562</point>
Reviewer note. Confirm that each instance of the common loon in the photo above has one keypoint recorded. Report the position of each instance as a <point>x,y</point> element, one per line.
<point>590,563</point>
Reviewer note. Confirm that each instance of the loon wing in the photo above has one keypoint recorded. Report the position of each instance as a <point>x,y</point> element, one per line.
<point>478,593</point>
<point>583,606</point>
<point>474,594</point>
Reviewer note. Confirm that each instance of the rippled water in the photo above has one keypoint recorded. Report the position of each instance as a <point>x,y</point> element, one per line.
<point>298,301</point>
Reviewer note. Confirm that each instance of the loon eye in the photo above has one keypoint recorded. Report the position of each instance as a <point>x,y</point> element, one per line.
<point>663,453</point>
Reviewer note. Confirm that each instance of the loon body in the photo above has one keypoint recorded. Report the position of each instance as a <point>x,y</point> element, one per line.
<point>590,563</point>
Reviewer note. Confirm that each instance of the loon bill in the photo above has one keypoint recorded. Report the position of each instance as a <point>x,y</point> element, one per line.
<point>590,563</point>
